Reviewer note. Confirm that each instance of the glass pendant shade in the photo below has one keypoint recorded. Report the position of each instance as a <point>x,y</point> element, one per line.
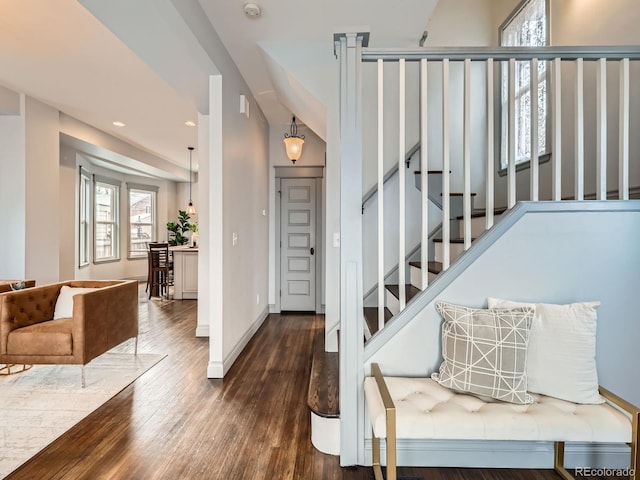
<point>293,145</point>
<point>191,210</point>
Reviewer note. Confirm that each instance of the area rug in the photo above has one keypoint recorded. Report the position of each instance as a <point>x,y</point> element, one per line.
<point>39,405</point>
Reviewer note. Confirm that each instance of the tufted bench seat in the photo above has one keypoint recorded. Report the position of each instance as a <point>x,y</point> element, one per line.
<point>420,408</point>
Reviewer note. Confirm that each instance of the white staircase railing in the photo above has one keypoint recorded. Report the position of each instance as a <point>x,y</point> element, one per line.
<point>566,64</point>
<point>459,170</point>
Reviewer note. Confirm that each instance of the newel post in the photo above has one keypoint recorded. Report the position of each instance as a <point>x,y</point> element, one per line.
<point>349,50</point>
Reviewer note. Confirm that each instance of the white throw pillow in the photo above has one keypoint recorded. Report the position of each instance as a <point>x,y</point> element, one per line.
<point>561,358</point>
<point>64,304</point>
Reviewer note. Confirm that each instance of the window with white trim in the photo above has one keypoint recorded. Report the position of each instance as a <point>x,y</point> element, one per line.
<point>142,219</point>
<point>106,243</point>
<point>527,26</point>
<point>84,219</point>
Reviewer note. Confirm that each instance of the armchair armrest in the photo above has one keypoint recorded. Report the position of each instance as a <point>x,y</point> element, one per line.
<point>635,424</point>
<point>382,387</point>
<point>390,424</point>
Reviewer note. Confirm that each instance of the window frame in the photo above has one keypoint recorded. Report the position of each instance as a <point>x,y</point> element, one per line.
<point>501,151</point>
<point>85,201</point>
<point>115,184</point>
<point>153,190</point>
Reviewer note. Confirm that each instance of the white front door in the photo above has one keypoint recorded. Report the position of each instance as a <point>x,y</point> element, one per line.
<point>297,251</point>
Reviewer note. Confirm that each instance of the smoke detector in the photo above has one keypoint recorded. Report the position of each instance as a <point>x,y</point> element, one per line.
<point>252,10</point>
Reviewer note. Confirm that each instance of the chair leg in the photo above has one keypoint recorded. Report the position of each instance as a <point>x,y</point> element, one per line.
<point>558,463</point>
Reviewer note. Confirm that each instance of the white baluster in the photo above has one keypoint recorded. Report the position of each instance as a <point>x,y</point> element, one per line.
<point>446,210</point>
<point>381,285</point>
<point>601,130</point>
<point>579,131</point>
<point>556,149</point>
<point>623,168</point>
<point>511,159</point>
<point>466,198</point>
<point>424,180</point>
<point>490,148</point>
<point>534,176</point>
<point>401,180</point>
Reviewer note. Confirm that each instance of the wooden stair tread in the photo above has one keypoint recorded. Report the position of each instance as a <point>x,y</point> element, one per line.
<point>460,194</point>
<point>452,240</point>
<point>410,290</point>
<point>433,267</point>
<point>429,172</point>
<point>371,317</point>
<point>323,397</point>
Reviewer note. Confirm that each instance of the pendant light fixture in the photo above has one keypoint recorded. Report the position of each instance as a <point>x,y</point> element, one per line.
<point>191,210</point>
<point>293,142</point>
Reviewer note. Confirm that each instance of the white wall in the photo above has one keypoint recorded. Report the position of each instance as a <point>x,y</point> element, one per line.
<point>571,256</point>
<point>461,23</point>
<point>12,196</point>
<point>238,183</point>
<point>42,147</point>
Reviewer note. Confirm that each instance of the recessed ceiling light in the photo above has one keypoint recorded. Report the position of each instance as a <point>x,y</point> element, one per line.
<point>119,124</point>
<point>189,123</point>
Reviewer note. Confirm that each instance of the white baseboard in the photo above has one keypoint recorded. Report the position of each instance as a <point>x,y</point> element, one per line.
<point>202,331</point>
<point>494,454</point>
<point>273,309</point>
<point>220,369</point>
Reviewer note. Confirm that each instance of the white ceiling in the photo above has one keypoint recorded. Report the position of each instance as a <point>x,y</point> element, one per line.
<point>58,52</point>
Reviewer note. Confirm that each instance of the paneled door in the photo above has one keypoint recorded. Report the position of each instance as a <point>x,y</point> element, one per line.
<point>297,250</point>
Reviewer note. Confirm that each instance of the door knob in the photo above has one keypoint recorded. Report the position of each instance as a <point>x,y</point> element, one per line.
<point>312,251</point>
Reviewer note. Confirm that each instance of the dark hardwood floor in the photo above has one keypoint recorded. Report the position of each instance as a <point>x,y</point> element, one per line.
<point>174,423</point>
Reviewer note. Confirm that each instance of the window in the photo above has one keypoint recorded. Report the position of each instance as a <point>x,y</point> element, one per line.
<point>106,220</point>
<point>84,219</point>
<point>527,26</point>
<point>142,219</point>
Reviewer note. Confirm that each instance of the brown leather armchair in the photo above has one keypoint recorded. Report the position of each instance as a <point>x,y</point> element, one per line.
<point>102,319</point>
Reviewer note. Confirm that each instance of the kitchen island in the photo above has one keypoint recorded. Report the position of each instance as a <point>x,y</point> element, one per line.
<point>185,272</point>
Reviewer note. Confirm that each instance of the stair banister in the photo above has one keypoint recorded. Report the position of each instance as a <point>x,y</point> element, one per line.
<point>389,174</point>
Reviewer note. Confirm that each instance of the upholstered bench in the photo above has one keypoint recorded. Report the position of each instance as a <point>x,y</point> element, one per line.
<point>420,408</point>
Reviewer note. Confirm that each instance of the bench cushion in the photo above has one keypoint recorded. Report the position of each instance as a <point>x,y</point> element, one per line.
<point>426,410</point>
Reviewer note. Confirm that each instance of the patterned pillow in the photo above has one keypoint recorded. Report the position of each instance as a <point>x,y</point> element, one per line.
<point>485,351</point>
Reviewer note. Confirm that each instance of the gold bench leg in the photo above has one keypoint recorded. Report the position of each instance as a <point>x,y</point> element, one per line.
<point>375,453</point>
<point>558,464</point>
<point>635,441</point>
